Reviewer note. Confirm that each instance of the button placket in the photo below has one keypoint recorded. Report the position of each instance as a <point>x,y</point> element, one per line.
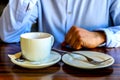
<point>69,14</point>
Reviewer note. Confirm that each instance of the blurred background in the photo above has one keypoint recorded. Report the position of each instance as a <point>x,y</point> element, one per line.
<point>2,5</point>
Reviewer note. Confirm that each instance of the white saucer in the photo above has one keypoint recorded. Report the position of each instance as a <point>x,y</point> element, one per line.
<point>52,59</point>
<point>82,63</point>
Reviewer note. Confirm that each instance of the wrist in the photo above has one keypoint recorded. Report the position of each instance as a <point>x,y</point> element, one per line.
<point>101,37</point>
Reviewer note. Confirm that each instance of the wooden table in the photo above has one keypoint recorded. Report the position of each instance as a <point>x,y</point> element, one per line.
<point>59,71</point>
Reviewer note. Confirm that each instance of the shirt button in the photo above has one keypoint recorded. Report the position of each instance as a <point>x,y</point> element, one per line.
<point>69,12</point>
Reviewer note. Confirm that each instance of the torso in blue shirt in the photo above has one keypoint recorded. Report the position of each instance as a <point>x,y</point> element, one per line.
<point>59,15</point>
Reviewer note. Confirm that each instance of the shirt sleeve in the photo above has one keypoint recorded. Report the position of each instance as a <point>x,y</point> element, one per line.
<point>113,32</point>
<point>17,18</point>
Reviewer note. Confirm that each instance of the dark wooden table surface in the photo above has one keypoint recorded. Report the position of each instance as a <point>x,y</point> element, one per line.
<point>59,71</point>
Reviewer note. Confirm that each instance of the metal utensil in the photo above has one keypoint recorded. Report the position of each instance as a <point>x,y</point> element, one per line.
<point>90,60</point>
<point>20,60</point>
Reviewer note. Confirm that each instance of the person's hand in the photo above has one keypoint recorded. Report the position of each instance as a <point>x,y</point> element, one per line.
<point>78,38</point>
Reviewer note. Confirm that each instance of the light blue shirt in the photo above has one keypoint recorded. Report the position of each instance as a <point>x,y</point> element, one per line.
<point>57,17</point>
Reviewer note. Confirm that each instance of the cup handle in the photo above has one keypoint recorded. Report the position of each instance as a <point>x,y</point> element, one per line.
<point>52,40</point>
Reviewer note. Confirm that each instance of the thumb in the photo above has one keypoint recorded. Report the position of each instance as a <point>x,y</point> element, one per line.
<point>64,44</point>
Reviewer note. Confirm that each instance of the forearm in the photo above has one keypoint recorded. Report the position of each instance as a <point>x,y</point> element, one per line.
<point>100,37</point>
<point>15,20</point>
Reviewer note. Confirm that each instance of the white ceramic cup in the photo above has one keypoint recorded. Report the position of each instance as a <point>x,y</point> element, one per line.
<point>36,46</point>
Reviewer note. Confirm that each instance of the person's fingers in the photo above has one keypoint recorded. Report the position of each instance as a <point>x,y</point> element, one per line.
<point>72,41</point>
<point>69,35</point>
<point>77,45</point>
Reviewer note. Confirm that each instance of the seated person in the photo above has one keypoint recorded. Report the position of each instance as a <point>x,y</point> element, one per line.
<point>76,23</point>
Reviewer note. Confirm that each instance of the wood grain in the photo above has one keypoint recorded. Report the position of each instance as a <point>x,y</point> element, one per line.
<point>59,71</point>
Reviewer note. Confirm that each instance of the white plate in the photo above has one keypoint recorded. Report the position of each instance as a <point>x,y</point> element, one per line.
<point>82,63</point>
<point>52,59</point>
